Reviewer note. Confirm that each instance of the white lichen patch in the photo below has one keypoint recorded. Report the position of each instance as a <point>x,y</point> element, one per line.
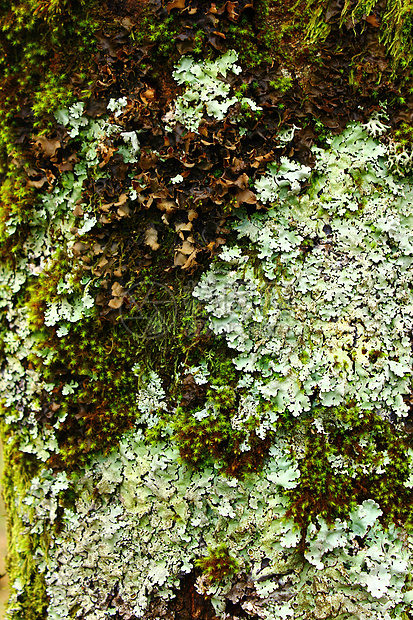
<point>51,225</point>
<point>21,387</point>
<point>321,302</point>
<point>148,501</point>
<point>151,399</point>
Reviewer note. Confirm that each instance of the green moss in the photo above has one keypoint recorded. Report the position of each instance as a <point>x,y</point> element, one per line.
<point>43,289</point>
<point>205,434</point>
<point>372,454</point>
<point>395,23</point>
<point>282,84</point>
<point>151,331</point>
<point>103,405</point>
<point>271,34</point>
<point>160,32</point>
<point>31,603</point>
<point>321,491</point>
<point>242,37</point>
<point>403,136</point>
<point>42,46</point>
<point>54,95</point>
<point>218,564</point>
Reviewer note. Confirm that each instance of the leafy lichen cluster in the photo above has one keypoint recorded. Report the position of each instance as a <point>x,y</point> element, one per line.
<point>320,303</point>
<point>314,297</point>
<point>139,498</point>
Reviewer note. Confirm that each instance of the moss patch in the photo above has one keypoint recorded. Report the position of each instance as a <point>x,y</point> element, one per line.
<point>28,592</point>
<point>393,20</point>
<point>371,455</point>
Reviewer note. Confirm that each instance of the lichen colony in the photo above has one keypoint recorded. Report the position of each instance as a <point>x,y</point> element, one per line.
<point>215,395</point>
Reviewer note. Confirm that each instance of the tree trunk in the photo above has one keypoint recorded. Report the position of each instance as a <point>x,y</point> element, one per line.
<point>206,282</point>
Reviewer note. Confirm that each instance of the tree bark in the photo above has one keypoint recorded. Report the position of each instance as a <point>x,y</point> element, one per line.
<point>206,293</point>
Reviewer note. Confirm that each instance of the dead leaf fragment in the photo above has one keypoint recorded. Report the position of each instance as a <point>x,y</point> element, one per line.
<point>49,147</point>
<point>115,303</point>
<point>175,4</point>
<point>180,227</point>
<point>372,20</point>
<point>151,238</point>
<point>247,196</point>
<point>148,95</point>
<point>79,248</point>
<point>122,199</point>
<point>263,159</point>
<point>190,261</point>
<point>123,211</point>
<point>97,248</point>
<point>106,207</point>
<point>187,248</point>
<point>37,184</point>
<point>147,160</point>
<point>78,211</point>
<point>179,259</point>
<point>127,23</point>
<point>106,153</point>
<point>168,206</point>
<point>230,6</point>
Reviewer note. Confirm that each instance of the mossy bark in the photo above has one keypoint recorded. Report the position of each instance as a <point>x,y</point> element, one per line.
<point>131,209</point>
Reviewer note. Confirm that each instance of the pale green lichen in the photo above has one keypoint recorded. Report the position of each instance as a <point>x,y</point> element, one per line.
<point>322,301</point>
<point>21,387</point>
<point>146,500</point>
<point>151,399</point>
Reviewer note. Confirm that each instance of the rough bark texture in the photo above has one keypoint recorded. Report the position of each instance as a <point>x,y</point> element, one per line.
<point>206,239</point>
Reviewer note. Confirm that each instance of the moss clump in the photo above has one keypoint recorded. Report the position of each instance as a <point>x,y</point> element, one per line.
<point>205,433</point>
<point>242,37</point>
<point>218,564</point>
<point>270,34</point>
<point>41,46</point>
<point>282,84</point>
<point>43,290</point>
<point>358,457</point>
<point>159,31</point>
<point>98,361</point>
<point>46,51</point>
<point>28,598</point>
<point>205,440</point>
<point>321,491</point>
<point>16,202</point>
<point>403,136</point>
<point>93,371</point>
